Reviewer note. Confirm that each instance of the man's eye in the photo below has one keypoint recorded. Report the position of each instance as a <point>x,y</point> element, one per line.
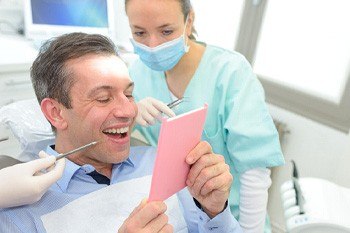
<point>129,96</point>
<point>167,32</point>
<point>104,100</point>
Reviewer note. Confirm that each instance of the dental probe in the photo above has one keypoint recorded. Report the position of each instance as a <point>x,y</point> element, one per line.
<point>60,156</point>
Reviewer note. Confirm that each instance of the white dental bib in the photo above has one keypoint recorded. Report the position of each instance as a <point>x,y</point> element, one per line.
<point>106,209</point>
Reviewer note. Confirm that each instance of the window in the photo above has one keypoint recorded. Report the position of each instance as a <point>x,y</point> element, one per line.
<point>304,45</point>
<point>217,22</point>
<point>300,51</point>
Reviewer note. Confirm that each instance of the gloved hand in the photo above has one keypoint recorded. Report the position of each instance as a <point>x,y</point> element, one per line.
<point>25,183</point>
<point>150,110</point>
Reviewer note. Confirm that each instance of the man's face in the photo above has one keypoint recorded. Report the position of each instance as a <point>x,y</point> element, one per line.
<point>103,108</point>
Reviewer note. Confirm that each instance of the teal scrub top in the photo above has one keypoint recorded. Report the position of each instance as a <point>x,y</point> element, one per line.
<point>238,124</point>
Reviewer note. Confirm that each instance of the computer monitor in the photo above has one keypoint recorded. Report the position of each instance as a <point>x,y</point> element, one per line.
<point>48,18</point>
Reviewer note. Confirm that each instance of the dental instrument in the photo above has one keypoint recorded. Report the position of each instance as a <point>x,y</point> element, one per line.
<point>175,102</point>
<point>60,156</point>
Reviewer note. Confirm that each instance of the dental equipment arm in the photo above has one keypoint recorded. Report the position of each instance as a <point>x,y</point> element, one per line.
<point>24,183</point>
<point>150,109</point>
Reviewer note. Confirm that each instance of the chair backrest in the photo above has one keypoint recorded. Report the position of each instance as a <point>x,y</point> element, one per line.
<point>6,161</point>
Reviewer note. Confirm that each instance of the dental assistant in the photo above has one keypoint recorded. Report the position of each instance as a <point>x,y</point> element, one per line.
<point>23,184</point>
<point>172,65</point>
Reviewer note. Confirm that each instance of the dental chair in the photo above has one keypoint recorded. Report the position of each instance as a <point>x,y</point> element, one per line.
<point>6,161</point>
<point>314,205</point>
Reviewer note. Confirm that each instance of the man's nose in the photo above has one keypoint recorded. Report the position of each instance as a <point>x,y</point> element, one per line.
<point>124,108</point>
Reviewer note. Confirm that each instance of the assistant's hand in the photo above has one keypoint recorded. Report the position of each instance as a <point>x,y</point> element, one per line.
<point>25,184</point>
<point>147,217</point>
<point>209,179</point>
<point>150,109</point>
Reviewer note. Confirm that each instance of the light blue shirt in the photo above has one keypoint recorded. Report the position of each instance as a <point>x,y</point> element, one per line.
<point>76,183</point>
<point>238,124</point>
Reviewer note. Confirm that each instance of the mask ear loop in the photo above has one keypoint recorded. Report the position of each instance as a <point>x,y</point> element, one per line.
<point>187,47</point>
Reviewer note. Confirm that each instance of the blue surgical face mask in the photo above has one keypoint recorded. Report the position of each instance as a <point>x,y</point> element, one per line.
<point>163,57</point>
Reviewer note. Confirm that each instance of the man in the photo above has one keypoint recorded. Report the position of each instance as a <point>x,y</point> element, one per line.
<point>85,92</point>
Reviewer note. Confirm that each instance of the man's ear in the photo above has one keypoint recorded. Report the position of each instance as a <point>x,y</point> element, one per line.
<point>53,112</point>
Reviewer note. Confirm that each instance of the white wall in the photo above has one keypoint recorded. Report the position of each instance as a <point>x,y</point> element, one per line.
<point>122,31</point>
<point>10,13</point>
<point>319,151</point>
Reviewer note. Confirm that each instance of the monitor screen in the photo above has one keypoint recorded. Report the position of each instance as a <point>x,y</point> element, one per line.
<point>48,18</point>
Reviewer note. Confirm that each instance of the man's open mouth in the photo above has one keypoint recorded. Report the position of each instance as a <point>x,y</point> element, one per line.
<point>117,132</point>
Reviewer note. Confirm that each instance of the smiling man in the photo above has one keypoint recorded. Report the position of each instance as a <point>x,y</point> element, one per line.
<point>102,109</point>
<point>85,92</point>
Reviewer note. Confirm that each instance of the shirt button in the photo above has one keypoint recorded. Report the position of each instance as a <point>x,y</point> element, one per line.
<point>200,217</point>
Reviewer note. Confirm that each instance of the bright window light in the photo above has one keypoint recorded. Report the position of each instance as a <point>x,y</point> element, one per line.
<point>306,45</point>
<point>217,22</point>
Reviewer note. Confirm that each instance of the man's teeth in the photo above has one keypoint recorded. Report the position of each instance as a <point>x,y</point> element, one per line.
<point>119,130</point>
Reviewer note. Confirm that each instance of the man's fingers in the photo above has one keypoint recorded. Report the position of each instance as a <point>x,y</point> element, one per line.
<point>157,224</point>
<point>205,161</point>
<point>139,207</point>
<point>201,149</point>
<point>206,175</point>
<point>147,217</point>
<point>218,183</point>
<point>149,212</point>
<point>167,229</point>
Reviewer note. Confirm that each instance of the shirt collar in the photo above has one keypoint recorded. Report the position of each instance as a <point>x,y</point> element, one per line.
<point>129,161</point>
<point>68,173</point>
<point>71,168</point>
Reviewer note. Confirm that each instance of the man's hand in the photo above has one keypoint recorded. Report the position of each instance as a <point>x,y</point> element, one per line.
<point>147,217</point>
<point>209,179</point>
